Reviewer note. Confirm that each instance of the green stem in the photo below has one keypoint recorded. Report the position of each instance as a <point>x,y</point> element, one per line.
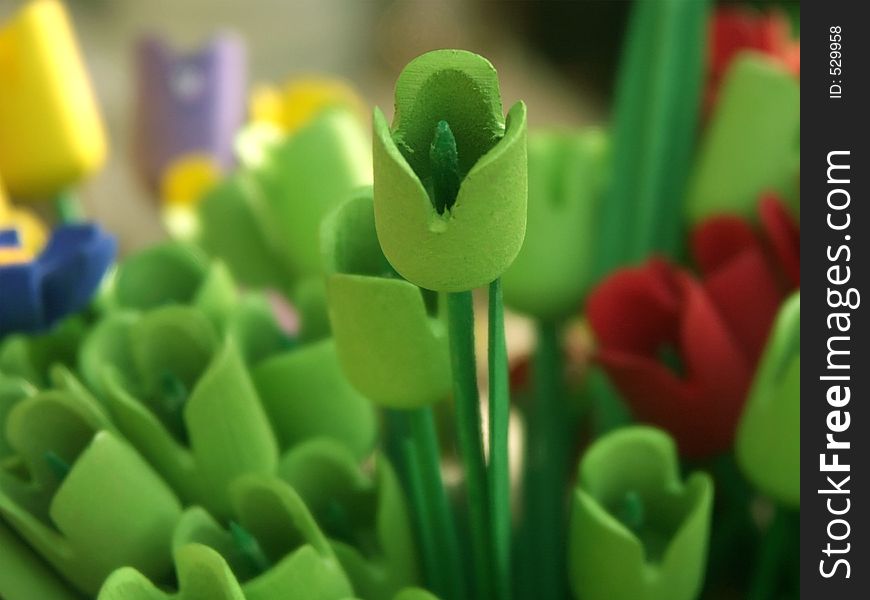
<point>69,209</point>
<point>422,514</point>
<point>448,581</point>
<point>499,417</point>
<point>769,564</point>
<point>460,320</point>
<point>546,468</point>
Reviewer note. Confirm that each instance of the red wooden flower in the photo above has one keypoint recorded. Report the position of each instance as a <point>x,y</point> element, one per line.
<point>734,29</point>
<point>681,349</point>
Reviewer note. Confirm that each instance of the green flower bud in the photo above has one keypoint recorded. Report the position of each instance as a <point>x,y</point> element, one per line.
<point>365,518</point>
<point>306,176</point>
<point>450,175</point>
<point>78,494</point>
<point>391,349</point>
<point>306,395</point>
<point>273,545</point>
<point>554,268</point>
<point>230,228</point>
<point>178,273</point>
<point>637,531</point>
<point>184,398</point>
<point>751,146</point>
<point>768,437</point>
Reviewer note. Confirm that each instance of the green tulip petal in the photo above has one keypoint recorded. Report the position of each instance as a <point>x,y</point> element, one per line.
<point>217,296</point>
<point>32,356</point>
<point>768,437</point>
<point>162,274</point>
<point>389,347</point>
<point>665,557</point>
<point>174,339</point>
<point>253,326</point>
<point>230,229</point>
<point>555,266</point>
<point>12,390</point>
<point>349,240</point>
<point>23,574</point>
<point>309,299</point>
<point>227,430</point>
<point>220,432</point>
<point>306,395</point>
<point>752,143</point>
<point>202,573</point>
<point>455,86</point>
<point>87,531</point>
<point>304,565</point>
<point>304,177</point>
<point>366,519</point>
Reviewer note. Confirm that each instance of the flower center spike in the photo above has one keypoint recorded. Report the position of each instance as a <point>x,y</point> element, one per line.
<point>445,168</point>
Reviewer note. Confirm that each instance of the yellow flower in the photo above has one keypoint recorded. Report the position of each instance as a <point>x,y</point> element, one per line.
<point>31,232</point>
<point>184,184</point>
<point>300,100</point>
<point>51,134</point>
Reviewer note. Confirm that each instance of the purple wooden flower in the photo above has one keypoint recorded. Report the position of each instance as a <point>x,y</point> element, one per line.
<point>187,103</point>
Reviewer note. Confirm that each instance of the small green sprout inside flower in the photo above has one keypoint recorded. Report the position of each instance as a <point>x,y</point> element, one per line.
<point>445,168</point>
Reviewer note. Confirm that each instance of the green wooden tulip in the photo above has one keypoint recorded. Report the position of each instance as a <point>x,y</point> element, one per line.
<point>24,575</point>
<point>365,517</point>
<point>179,273</point>
<point>184,398</point>
<point>172,273</point>
<point>230,228</point>
<point>414,594</point>
<point>306,394</point>
<point>768,437</point>
<point>637,531</point>
<point>78,494</point>
<point>31,357</point>
<point>751,146</point>
<point>552,272</point>
<point>391,349</point>
<point>273,545</point>
<point>450,174</point>
<point>12,390</point>
<point>307,175</point>
<point>202,575</point>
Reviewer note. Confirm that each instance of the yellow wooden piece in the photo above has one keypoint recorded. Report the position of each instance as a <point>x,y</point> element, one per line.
<point>301,99</point>
<point>51,134</point>
<point>13,256</point>
<point>31,230</point>
<point>188,178</point>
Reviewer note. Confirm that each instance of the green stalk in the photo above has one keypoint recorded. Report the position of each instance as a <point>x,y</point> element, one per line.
<point>655,119</point>
<point>69,209</point>
<point>448,579</point>
<point>422,515</point>
<point>499,468</point>
<point>770,561</point>
<point>460,322</point>
<point>546,469</point>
